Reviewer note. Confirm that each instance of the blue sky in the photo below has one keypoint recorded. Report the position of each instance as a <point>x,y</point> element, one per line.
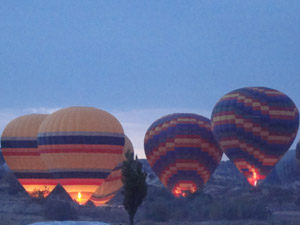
<point>140,60</point>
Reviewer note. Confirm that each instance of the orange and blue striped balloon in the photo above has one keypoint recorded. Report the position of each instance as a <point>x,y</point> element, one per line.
<point>81,146</point>
<point>255,126</point>
<point>182,151</point>
<point>113,183</point>
<point>19,149</point>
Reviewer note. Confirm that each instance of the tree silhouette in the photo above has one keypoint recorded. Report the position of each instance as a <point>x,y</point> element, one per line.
<point>135,186</point>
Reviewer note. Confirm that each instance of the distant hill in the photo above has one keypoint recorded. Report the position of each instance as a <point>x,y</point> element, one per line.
<point>285,173</point>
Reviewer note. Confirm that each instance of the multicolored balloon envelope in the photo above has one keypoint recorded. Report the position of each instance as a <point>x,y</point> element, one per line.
<point>113,183</point>
<point>255,126</point>
<point>182,151</point>
<point>19,148</point>
<point>81,146</point>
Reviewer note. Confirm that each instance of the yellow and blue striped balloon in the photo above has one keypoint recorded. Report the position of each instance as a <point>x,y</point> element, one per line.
<point>81,146</point>
<point>19,149</point>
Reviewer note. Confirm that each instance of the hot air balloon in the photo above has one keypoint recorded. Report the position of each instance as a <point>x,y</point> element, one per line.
<point>255,126</point>
<point>113,183</point>
<point>182,151</point>
<point>81,146</point>
<point>19,148</point>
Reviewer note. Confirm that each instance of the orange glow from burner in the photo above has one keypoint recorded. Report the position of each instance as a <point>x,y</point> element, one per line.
<point>255,178</point>
<point>79,198</point>
<point>184,189</point>
<point>193,189</point>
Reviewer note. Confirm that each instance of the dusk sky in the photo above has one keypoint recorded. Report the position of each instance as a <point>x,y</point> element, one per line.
<point>141,60</point>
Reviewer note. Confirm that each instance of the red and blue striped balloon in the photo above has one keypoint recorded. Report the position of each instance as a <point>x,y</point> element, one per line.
<point>255,126</point>
<point>182,151</point>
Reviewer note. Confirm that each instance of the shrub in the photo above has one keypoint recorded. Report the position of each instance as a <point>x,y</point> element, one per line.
<point>40,194</point>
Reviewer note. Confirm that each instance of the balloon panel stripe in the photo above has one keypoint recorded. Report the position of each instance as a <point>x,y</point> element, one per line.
<point>19,144</point>
<point>184,165</point>
<point>176,116</point>
<point>182,176</point>
<point>234,155</point>
<point>54,140</point>
<point>100,151</point>
<point>80,174</point>
<point>184,153</point>
<point>274,125</point>
<point>38,181</point>
<point>21,175</point>
<point>80,133</point>
<point>85,146</point>
<point>180,128</point>
<point>18,138</point>
<point>80,182</point>
<point>179,143</point>
<point>239,145</point>
<point>259,115</point>
<point>102,200</point>
<point>21,154</point>
<point>178,132</point>
<point>268,148</point>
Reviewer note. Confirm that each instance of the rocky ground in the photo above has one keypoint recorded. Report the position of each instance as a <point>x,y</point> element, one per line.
<point>226,199</point>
